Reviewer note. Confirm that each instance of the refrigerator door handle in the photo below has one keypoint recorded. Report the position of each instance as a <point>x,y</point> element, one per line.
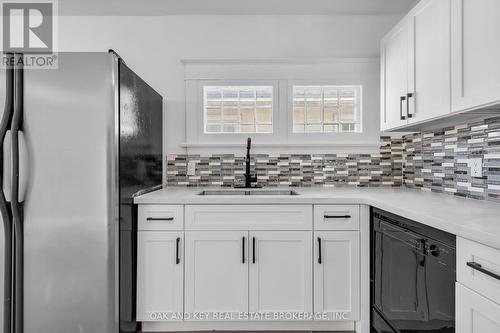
<point>23,167</point>
<point>5,210</point>
<point>7,167</point>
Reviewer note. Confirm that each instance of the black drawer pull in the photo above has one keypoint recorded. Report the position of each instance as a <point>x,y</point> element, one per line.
<point>337,216</point>
<point>243,250</point>
<point>478,267</point>
<point>253,250</point>
<point>320,260</point>
<point>401,100</point>
<point>160,219</point>
<point>177,257</point>
<point>408,96</point>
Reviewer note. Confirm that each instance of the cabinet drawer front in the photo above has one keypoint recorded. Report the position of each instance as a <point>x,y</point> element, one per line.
<point>248,217</point>
<point>475,313</point>
<point>477,266</point>
<point>161,217</point>
<point>336,217</point>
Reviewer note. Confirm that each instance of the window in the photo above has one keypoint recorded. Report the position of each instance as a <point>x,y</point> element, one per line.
<point>326,109</point>
<point>238,109</point>
<point>285,106</point>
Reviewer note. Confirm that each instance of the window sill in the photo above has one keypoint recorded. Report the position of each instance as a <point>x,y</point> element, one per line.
<point>282,148</point>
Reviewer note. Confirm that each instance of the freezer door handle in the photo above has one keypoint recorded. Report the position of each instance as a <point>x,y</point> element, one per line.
<point>7,167</point>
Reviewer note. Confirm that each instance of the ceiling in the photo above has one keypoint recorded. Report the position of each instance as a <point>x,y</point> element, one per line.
<point>229,7</point>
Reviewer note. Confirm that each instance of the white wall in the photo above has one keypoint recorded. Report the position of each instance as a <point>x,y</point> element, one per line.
<point>154,46</point>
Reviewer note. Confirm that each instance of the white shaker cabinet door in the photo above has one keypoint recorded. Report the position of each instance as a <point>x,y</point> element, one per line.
<point>159,275</point>
<point>280,271</point>
<point>429,77</point>
<point>336,274</point>
<point>475,54</point>
<point>216,273</point>
<point>475,313</point>
<point>394,77</point>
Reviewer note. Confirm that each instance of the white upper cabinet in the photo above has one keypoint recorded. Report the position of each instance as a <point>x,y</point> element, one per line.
<point>475,54</point>
<point>415,67</point>
<point>394,77</point>
<point>429,58</point>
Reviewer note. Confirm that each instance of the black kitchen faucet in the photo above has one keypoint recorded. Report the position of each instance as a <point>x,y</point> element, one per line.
<point>249,179</point>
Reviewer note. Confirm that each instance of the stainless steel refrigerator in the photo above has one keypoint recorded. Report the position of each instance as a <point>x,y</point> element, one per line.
<point>78,143</point>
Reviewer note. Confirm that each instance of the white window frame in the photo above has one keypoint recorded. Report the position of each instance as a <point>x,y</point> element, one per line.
<point>273,88</point>
<point>225,138</point>
<point>342,138</point>
<point>327,135</point>
<point>283,75</point>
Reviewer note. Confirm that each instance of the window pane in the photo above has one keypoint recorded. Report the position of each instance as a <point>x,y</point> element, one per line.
<point>213,128</point>
<point>326,109</point>
<point>264,115</point>
<point>299,116</point>
<point>264,128</point>
<point>313,128</point>
<point>238,109</point>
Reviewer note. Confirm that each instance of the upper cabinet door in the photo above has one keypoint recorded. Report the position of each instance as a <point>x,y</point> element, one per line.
<point>475,54</point>
<point>216,272</point>
<point>394,77</point>
<point>429,61</point>
<point>280,271</point>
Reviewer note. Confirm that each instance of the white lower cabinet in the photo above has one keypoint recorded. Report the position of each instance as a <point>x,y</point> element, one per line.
<point>159,275</point>
<point>337,274</point>
<point>475,313</point>
<point>250,275</point>
<point>216,273</point>
<point>280,272</point>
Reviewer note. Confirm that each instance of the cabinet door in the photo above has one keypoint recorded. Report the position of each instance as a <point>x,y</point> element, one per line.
<point>394,77</point>
<point>429,79</point>
<point>475,54</point>
<point>336,274</point>
<point>475,313</point>
<point>280,271</point>
<point>216,273</point>
<point>159,275</point>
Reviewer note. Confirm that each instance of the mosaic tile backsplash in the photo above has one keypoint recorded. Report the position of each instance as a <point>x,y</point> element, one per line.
<point>431,160</point>
<point>437,160</point>
<point>384,168</point>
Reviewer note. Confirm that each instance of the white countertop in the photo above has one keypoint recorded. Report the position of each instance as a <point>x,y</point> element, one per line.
<point>468,218</point>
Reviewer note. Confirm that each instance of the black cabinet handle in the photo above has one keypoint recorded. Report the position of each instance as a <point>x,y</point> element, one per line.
<point>401,100</point>
<point>479,267</point>
<point>408,96</point>
<point>177,257</point>
<point>337,216</point>
<point>320,260</point>
<point>160,219</point>
<point>253,250</point>
<point>243,250</point>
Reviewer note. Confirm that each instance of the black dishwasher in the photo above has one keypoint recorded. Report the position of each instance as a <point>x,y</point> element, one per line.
<point>413,275</point>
